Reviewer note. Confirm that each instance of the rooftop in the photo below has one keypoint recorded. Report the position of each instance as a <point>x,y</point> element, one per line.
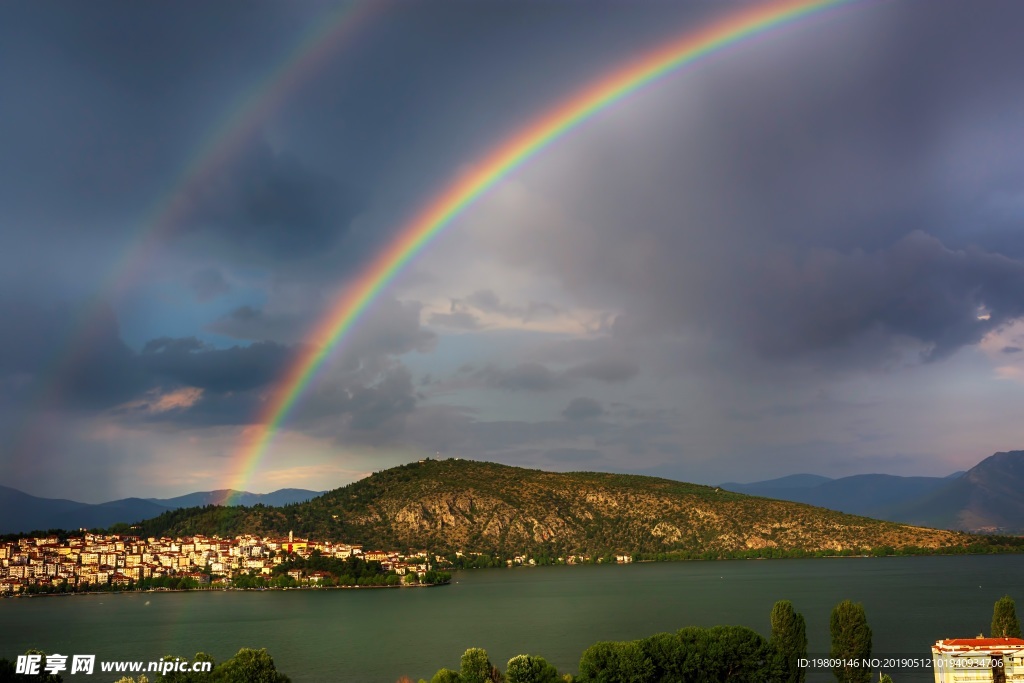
<point>979,643</point>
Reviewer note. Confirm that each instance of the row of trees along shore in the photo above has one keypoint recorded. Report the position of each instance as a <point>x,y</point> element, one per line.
<point>718,654</point>
<point>710,655</point>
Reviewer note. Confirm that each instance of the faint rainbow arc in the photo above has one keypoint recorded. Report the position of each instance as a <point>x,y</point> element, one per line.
<point>459,195</point>
<point>245,114</point>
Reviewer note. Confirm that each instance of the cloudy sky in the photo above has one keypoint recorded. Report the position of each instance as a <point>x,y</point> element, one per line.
<point>804,254</point>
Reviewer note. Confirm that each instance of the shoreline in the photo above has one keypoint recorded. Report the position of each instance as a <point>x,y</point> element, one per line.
<point>215,590</point>
<point>519,566</point>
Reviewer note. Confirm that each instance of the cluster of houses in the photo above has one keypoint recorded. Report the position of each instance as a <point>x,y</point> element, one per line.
<point>99,560</point>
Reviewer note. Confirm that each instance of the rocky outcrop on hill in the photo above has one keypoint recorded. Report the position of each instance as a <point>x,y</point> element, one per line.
<point>480,506</point>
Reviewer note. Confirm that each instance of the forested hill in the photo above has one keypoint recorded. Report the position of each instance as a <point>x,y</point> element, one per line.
<point>480,506</point>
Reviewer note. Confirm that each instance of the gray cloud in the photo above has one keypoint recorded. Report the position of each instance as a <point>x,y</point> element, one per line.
<point>606,369</point>
<point>572,455</point>
<point>251,323</point>
<point>523,377</point>
<point>583,408</point>
<point>457,320</point>
<point>488,301</point>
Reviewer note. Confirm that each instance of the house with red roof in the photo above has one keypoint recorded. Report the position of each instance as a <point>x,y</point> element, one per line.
<point>974,660</point>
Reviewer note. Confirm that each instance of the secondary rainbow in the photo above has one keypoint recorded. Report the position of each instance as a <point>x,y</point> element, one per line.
<point>459,195</point>
<point>243,117</point>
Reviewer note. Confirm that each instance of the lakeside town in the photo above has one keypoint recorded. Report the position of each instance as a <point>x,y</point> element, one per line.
<point>94,561</point>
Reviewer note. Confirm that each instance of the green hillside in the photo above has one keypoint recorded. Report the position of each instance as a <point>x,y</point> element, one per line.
<point>479,506</point>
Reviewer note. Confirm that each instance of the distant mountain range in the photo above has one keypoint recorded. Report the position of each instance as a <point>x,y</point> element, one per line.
<point>987,498</point>
<point>21,512</point>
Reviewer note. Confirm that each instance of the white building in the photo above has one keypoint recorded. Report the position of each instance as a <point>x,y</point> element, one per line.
<point>978,660</point>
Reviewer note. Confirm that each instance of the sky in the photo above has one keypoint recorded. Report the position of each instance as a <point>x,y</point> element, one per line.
<point>802,254</point>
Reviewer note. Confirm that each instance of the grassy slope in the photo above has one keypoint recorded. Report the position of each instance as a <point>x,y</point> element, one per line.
<point>482,506</point>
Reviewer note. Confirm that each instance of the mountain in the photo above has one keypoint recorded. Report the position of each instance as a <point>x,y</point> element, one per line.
<point>481,506</point>
<point>200,498</point>
<point>988,497</point>
<point>985,498</point>
<point>22,512</point>
<point>871,495</point>
<point>793,481</point>
<point>103,515</point>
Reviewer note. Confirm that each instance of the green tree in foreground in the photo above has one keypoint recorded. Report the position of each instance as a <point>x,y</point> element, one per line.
<point>249,666</point>
<point>476,667</point>
<point>8,669</point>
<point>789,638</point>
<point>446,676</point>
<point>616,662</point>
<point>188,676</point>
<point>884,678</point>
<point>851,640</point>
<point>530,669</point>
<point>1004,619</point>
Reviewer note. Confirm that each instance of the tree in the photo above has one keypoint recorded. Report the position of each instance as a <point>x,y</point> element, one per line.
<point>737,653</point>
<point>8,669</point>
<point>851,642</point>
<point>476,667</point>
<point>884,678</point>
<point>1004,619</point>
<point>616,662</point>
<point>446,676</point>
<point>249,666</point>
<point>672,658</point>
<point>530,669</point>
<point>789,638</point>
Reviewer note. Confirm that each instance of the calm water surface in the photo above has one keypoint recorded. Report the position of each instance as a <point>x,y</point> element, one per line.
<point>379,635</point>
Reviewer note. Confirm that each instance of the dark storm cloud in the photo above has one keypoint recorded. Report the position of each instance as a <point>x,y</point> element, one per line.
<point>916,294</point>
<point>1012,349</point>
<point>271,204</point>
<point>101,373</point>
<point>390,327</point>
<point>189,363</point>
<point>583,408</point>
<point>770,221</point>
<point>60,358</point>
<point>918,289</point>
<point>208,284</point>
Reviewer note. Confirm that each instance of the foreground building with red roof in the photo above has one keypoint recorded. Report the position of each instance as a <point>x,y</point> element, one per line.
<point>978,660</point>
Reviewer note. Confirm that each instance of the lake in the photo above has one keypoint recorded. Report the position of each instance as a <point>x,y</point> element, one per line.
<point>556,612</point>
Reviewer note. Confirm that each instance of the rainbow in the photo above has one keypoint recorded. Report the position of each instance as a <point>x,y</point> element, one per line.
<point>462,193</point>
<point>243,117</point>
